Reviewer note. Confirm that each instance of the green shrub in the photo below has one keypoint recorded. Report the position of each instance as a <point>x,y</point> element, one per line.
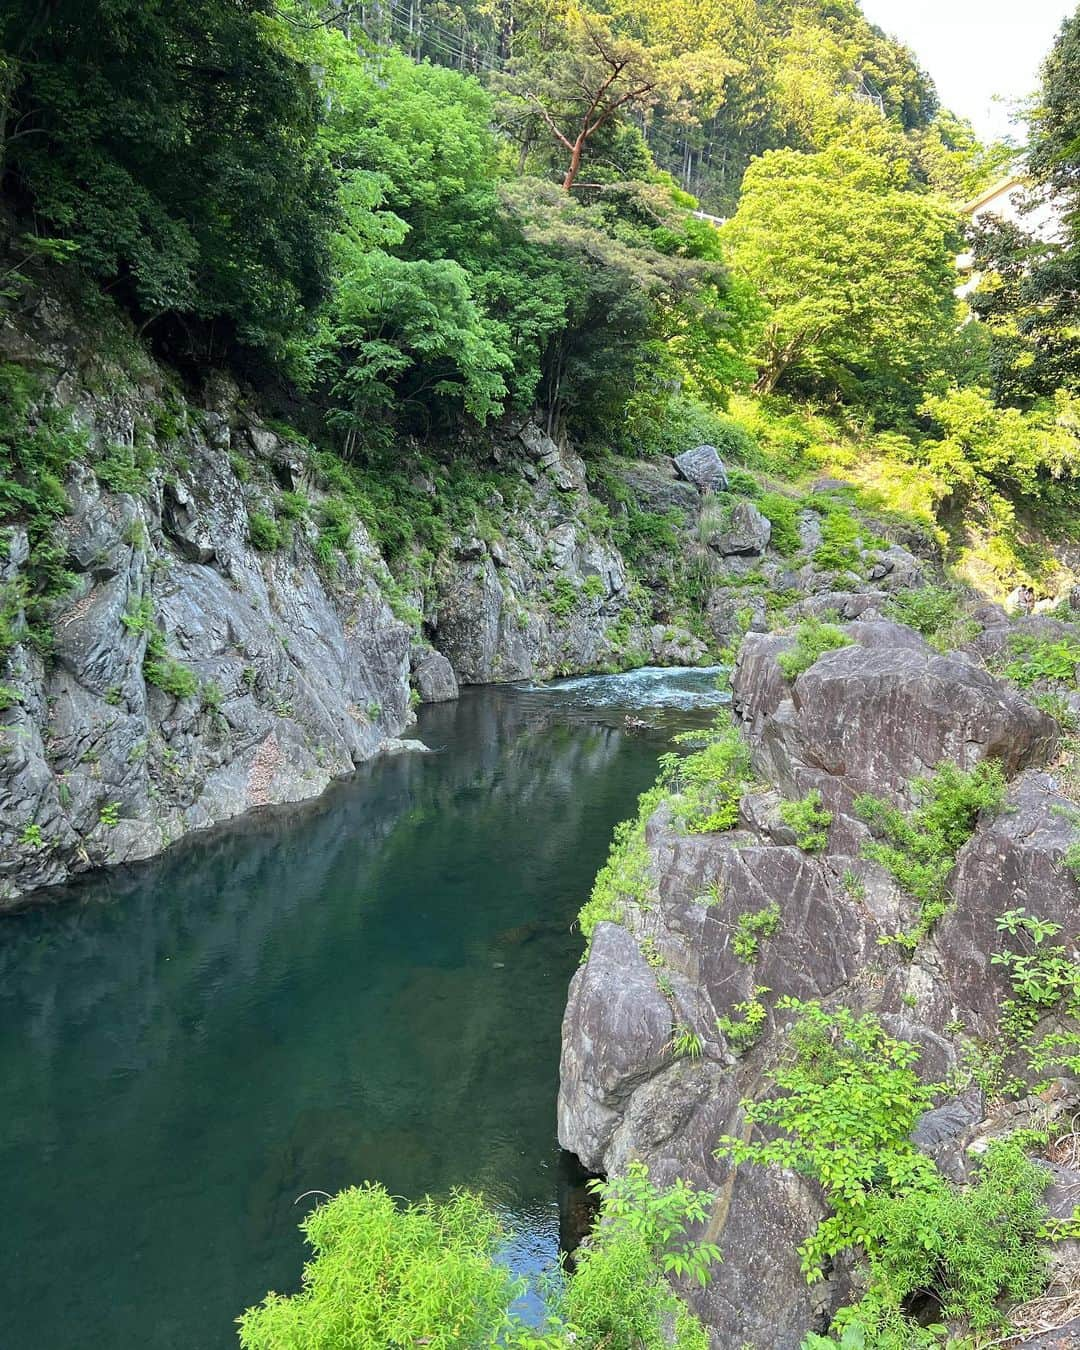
<point>626,878</point>
<point>841,537</point>
<point>617,1298</point>
<point>337,520</point>
<point>783,514</point>
<point>293,506</point>
<point>686,422</point>
<point>750,927</point>
<point>708,784</point>
<point>170,675</point>
<point>159,667</point>
<point>564,597</point>
<point>1044,977</point>
<point>810,820</point>
<point>265,533</point>
<point>645,536</point>
<point>844,1102</point>
<point>428,1274</point>
<point>1036,658</point>
<point>813,639</point>
<point>126,468</point>
<point>12,599</point>
<point>937,612</point>
<point>918,849</point>
<point>38,444</point>
<point>742,1030</point>
<point>383,1276</point>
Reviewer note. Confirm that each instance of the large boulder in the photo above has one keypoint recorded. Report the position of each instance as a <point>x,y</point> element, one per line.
<point>1016,861</point>
<point>872,717</point>
<point>433,676</point>
<point>747,533</point>
<point>655,486</point>
<point>617,1033</point>
<point>703,467</point>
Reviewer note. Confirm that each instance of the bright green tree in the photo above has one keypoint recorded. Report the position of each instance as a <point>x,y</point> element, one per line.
<point>428,1274</point>
<point>856,272</point>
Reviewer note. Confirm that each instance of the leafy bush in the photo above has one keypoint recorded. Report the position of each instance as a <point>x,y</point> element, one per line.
<point>813,639</point>
<point>626,878</point>
<point>1044,977</point>
<point>709,783</point>
<point>848,1097</point>
<point>919,849</point>
<point>1035,658</point>
<point>848,1100</point>
<point>126,468</point>
<point>971,1249</point>
<point>385,1276</point>
<point>617,1298</point>
<point>427,1274</point>
<point>265,532</point>
<point>337,520</point>
<point>564,597</point>
<point>38,444</point>
<point>163,670</point>
<point>937,612</point>
<point>783,514</point>
<point>750,927</point>
<point>841,541</point>
<point>810,820</point>
<point>742,1030</point>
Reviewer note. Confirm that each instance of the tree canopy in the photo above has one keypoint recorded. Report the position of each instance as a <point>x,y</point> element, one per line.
<point>856,271</point>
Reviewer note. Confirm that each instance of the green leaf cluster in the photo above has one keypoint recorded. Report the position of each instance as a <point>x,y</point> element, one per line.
<point>1037,658</point>
<point>810,820</point>
<point>846,1098</point>
<point>751,926</point>
<point>384,1274</point>
<point>708,784</point>
<point>918,848</point>
<point>813,638</point>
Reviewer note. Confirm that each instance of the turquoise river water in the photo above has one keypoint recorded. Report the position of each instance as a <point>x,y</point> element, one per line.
<point>370,986</point>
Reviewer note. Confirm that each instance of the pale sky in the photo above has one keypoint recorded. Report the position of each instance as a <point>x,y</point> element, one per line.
<point>975,49</point>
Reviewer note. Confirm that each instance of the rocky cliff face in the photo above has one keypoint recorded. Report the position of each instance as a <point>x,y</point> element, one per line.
<point>218,649</point>
<point>192,669</point>
<point>191,677</point>
<point>871,716</point>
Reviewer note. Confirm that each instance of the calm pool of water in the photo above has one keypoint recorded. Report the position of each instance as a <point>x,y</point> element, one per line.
<point>367,987</point>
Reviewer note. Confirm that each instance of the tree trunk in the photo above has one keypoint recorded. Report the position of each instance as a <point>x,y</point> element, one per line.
<point>575,163</point>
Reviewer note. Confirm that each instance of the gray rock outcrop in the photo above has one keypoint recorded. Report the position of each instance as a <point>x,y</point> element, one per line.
<point>703,467</point>
<point>867,717</point>
<point>747,533</point>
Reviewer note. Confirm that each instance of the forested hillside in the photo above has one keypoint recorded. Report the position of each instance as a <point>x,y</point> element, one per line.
<point>397,221</point>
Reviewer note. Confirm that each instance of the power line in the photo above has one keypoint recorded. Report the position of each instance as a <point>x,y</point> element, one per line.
<point>451,44</point>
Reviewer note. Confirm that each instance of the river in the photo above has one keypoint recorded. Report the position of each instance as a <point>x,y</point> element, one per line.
<point>369,986</point>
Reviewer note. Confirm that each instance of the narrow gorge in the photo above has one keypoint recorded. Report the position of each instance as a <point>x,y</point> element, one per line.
<point>539,675</point>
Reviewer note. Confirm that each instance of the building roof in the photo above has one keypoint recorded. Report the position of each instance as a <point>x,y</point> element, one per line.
<point>1003,185</point>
